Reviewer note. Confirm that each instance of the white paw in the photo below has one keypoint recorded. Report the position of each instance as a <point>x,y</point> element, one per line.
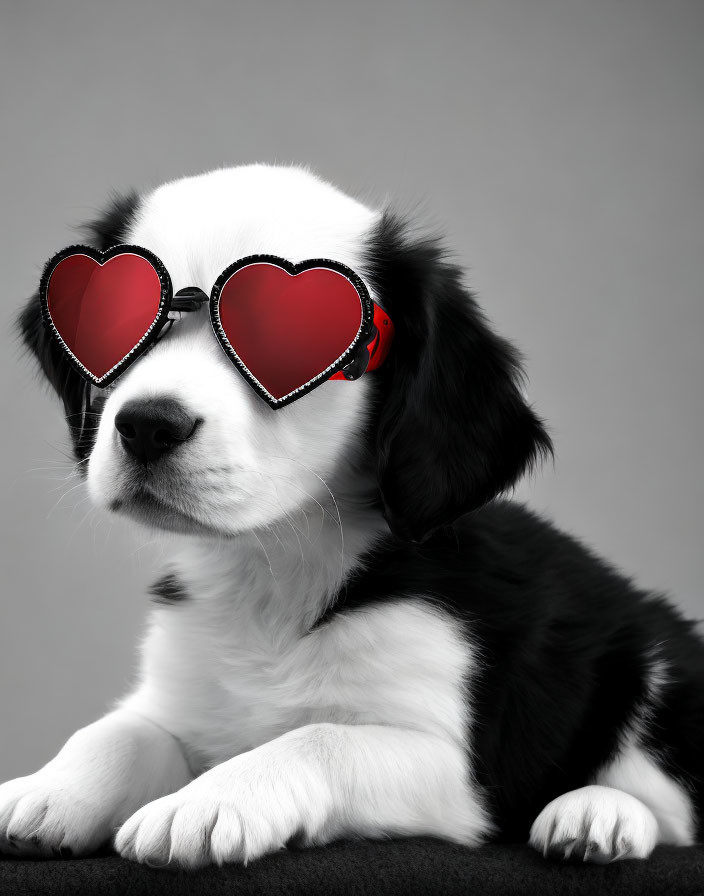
<point>236,812</point>
<point>44,815</point>
<point>595,824</point>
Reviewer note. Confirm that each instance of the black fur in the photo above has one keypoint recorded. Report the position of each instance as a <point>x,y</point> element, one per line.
<point>453,429</point>
<point>82,410</point>
<point>565,644</point>
<point>168,590</point>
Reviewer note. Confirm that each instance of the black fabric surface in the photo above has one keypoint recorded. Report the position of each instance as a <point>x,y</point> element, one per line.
<point>403,867</point>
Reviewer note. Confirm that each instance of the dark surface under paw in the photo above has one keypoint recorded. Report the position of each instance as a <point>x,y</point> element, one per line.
<point>381,868</point>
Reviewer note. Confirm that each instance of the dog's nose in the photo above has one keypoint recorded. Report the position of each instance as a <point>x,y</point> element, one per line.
<point>150,427</point>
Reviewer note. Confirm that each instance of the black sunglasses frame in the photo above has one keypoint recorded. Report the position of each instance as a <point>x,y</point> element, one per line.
<point>352,363</point>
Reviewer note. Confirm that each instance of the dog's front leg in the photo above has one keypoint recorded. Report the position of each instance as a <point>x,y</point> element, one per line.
<point>103,774</point>
<point>311,785</point>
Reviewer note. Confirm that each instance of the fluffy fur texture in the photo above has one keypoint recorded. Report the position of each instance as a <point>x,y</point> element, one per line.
<point>355,636</point>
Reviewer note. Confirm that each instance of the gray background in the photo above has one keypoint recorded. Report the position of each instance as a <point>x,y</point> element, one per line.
<point>560,146</point>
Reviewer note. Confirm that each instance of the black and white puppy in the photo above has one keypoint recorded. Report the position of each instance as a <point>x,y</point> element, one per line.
<point>354,636</point>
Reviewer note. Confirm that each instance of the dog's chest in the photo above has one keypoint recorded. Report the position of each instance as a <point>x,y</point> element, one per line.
<point>227,683</point>
<point>266,687</point>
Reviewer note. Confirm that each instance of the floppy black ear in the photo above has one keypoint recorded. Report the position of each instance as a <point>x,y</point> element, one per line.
<point>453,429</point>
<point>106,231</point>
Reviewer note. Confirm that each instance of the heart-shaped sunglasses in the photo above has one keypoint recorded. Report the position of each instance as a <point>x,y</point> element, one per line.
<point>287,327</point>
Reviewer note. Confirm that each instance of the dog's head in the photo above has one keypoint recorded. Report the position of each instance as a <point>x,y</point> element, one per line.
<point>438,430</point>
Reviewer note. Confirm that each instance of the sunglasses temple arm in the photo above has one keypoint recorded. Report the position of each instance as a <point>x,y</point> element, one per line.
<point>373,353</point>
<point>382,335</point>
<point>189,299</point>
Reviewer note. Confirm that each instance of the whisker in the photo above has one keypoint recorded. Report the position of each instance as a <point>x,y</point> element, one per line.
<point>91,509</point>
<point>67,492</point>
<point>339,516</point>
<point>268,560</point>
<point>297,485</point>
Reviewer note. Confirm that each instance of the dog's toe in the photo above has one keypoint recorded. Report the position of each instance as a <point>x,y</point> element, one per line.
<point>595,824</point>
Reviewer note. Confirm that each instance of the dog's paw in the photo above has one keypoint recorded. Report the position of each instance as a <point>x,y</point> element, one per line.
<point>236,812</point>
<point>595,824</point>
<point>43,815</point>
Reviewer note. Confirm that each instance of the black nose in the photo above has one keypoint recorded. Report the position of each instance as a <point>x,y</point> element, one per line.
<point>150,427</point>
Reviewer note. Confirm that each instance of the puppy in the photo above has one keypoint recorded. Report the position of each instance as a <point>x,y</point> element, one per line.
<point>354,636</point>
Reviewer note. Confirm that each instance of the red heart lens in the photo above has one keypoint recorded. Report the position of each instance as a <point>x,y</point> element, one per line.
<point>288,328</point>
<point>103,310</point>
